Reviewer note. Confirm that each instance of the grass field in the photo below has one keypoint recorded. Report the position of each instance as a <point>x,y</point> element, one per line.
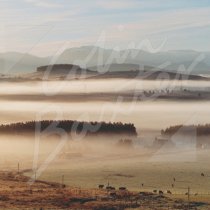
<point>134,171</point>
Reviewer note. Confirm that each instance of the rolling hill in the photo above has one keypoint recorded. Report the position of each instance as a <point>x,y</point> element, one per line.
<point>70,71</point>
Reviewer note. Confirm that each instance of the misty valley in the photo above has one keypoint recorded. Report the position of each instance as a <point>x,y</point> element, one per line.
<point>131,159</point>
<point>104,105</point>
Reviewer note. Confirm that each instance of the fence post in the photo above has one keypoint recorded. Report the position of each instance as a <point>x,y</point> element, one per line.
<point>35,175</point>
<point>18,167</point>
<point>62,180</point>
<point>188,195</point>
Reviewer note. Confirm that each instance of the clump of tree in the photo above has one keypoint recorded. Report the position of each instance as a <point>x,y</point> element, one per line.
<point>56,67</point>
<point>88,128</point>
<point>201,130</point>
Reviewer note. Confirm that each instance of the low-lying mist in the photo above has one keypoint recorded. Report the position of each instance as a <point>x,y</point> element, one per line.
<point>25,149</point>
<point>152,115</point>
<point>145,115</point>
<point>97,86</point>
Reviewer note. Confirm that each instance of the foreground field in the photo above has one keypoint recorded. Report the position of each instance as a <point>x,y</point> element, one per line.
<point>17,192</point>
<point>136,171</point>
<point>84,165</point>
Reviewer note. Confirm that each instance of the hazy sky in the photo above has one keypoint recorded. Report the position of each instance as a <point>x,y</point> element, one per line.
<point>46,27</point>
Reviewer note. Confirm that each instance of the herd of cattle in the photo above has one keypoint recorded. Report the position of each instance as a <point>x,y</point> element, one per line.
<point>112,190</point>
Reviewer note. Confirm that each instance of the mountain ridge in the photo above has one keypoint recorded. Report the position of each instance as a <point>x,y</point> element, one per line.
<point>90,56</point>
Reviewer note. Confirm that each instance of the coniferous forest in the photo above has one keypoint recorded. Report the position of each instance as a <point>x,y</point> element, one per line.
<point>89,128</point>
<point>201,130</point>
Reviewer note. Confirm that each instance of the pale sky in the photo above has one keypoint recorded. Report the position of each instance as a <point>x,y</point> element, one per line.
<point>46,27</point>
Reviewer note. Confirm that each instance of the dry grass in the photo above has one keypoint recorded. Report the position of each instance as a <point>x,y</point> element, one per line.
<point>17,193</point>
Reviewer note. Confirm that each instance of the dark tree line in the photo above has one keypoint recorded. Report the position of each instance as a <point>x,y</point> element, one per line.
<point>89,128</point>
<point>58,67</point>
<point>201,130</point>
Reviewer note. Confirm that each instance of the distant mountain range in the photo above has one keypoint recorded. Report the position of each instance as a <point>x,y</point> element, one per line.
<point>96,58</point>
<point>14,62</point>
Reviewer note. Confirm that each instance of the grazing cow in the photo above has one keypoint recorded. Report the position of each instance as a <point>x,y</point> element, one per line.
<point>110,188</point>
<point>101,186</point>
<point>122,188</point>
<point>142,193</point>
<point>168,192</point>
<point>161,192</point>
<point>202,174</point>
<point>186,193</point>
<point>154,191</point>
